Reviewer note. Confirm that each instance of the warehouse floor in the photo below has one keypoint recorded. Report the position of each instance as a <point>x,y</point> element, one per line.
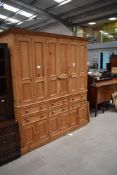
<point>91,150</point>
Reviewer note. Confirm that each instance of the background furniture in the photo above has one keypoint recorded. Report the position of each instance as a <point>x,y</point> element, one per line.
<point>9,141</point>
<point>101,92</point>
<point>6,100</point>
<point>9,132</point>
<point>49,74</point>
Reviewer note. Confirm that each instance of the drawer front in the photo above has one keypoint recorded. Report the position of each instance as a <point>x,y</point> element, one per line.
<point>33,109</point>
<point>31,118</point>
<point>75,105</point>
<point>43,107</point>
<point>29,110</point>
<point>8,140</point>
<point>58,111</point>
<point>58,102</point>
<point>8,130</point>
<point>75,98</point>
<point>9,153</point>
<point>84,97</point>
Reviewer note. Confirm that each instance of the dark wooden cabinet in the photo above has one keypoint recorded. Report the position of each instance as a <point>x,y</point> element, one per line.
<point>9,141</point>
<point>6,100</point>
<point>9,131</point>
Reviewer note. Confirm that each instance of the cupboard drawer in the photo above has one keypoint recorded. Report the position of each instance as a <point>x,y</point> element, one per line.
<point>58,102</point>
<point>33,109</point>
<point>9,153</point>
<point>84,97</point>
<point>31,118</point>
<point>8,140</point>
<point>58,111</point>
<point>29,110</point>
<point>75,98</point>
<point>75,105</point>
<point>43,107</point>
<point>8,130</point>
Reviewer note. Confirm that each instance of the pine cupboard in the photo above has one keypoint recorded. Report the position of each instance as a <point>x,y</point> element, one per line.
<point>49,77</point>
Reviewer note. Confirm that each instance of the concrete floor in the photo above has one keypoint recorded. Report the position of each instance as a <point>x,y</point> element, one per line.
<point>91,150</point>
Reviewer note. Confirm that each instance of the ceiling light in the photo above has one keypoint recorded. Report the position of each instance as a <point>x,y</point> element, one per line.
<point>13,20</point>
<point>62,2</point>
<point>24,13</point>
<point>91,23</point>
<point>59,1</point>
<point>19,23</point>
<point>112,19</point>
<point>10,8</point>
<point>65,2</point>
<point>3,17</point>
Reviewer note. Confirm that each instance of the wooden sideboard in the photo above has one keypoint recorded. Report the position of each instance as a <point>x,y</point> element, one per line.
<point>101,92</point>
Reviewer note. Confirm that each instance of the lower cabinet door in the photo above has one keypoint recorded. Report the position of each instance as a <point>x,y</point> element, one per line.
<point>28,134</point>
<point>74,114</point>
<point>42,131</point>
<point>83,113</point>
<point>55,125</point>
<point>64,122</point>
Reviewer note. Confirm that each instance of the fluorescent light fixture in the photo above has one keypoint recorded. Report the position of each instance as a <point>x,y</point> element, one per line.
<point>24,13</point>
<point>13,20</point>
<point>65,2</point>
<point>3,17</point>
<point>91,23</point>
<point>19,23</point>
<point>10,8</point>
<point>62,2</point>
<point>59,1</point>
<point>112,19</point>
<point>34,16</point>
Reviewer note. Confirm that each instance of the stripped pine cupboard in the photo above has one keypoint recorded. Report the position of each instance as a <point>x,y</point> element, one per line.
<point>49,77</point>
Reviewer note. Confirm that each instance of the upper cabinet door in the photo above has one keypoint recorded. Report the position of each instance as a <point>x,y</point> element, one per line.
<point>39,62</point>
<point>82,66</point>
<point>24,67</point>
<point>82,54</point>
<point>63,67</point>
<point>52,63</point>
<point>73,67</point>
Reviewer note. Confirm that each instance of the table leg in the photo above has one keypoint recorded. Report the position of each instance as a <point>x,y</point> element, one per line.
<point>103,107</point>
<point>95,110</point>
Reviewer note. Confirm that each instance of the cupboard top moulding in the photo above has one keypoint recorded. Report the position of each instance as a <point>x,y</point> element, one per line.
<point>28,32</point>
<point>44,65</point>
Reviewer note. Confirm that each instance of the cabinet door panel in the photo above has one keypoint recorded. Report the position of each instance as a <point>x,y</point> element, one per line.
<point>82,67</point>
<point>39,68</point>
<point>82,62</point>
<point>82,83</point>
<point>52,68</point>
<point>55,124</point>
<point>73,118</point>
<point>24,66</point>
<point>63,67</point>
<point>42,131</point>
<point>64,121</point>
<point>73,67</point>
<point>28,134</point>
<point>83,113</point>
